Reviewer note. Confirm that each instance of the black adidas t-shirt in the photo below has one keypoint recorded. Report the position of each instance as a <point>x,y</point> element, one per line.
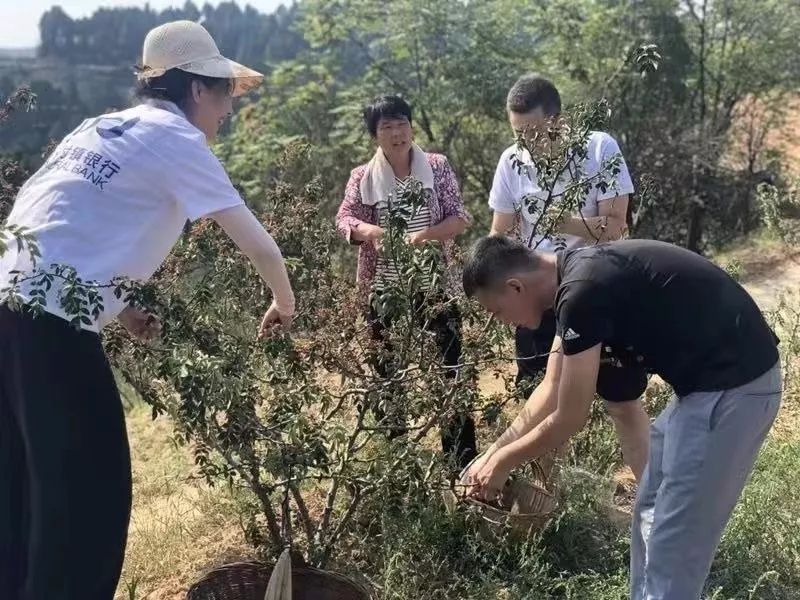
<point>664,308</point>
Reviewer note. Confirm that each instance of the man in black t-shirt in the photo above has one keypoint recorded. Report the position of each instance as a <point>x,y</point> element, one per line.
<point>678,315</point>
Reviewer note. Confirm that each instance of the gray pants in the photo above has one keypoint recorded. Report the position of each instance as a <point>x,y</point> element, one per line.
<point>702,450</point>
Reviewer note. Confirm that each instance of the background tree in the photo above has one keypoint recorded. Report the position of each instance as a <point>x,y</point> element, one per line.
<point>12,174</point>
<point>454,62</point>
<point>719,57</point>
<point>85,65</point>
<point>725,63</point>
<point>113,36</point>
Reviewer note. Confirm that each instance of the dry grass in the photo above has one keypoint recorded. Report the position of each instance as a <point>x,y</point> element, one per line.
<point>785,138</point>
<point>757,127</point>
<point>767,267</point>
<point>179,527</point>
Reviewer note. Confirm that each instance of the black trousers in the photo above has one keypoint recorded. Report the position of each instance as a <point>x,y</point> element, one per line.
<point>616,382</point>
<point>65,471</point>
<point>458,435</point>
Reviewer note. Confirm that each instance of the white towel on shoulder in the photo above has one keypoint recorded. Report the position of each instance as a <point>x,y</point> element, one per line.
<point>379,182</point>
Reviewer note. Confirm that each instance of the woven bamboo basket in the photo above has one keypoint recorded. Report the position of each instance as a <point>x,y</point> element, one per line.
<point>526,504</point>
<point>550,465</point>
<point>248,581</point>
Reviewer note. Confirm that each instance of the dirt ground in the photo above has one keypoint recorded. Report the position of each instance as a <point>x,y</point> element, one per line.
<point>773,274</point>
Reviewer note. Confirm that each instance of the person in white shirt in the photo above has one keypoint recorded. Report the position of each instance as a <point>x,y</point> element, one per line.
<point>110,201</point>
<point>533,104</point>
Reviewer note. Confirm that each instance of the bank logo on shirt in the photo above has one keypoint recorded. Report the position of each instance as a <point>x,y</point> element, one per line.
<point>109,133</point>
<point>92,166</point>
<point>570,334</point>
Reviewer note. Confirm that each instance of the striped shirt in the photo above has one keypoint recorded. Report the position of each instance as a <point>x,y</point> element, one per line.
<point>387,270</point>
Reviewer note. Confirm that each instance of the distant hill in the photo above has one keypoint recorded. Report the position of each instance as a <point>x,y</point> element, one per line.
<point>85,66</point>
<point>113,36</point>
<point>17,53</point>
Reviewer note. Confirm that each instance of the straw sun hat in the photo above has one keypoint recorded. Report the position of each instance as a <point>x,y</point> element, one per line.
<point>187,46</point>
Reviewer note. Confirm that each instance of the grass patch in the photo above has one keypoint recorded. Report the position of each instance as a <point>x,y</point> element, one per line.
<point>426,552</point>
<point>179,526</point>
<point>760,552</point>
<point>755,254</point>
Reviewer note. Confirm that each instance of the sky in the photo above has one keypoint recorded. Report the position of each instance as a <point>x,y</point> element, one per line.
<point>19,22</point>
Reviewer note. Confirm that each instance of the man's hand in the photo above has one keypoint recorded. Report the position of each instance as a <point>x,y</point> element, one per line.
<point>489,481</point>
<point>274,321</point>
<point>139,324</point>
<point>470,474</point>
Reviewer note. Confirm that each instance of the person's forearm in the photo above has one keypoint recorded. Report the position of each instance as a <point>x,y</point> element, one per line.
<point>446,230</point>
<point>539,406</point>
<point>502,223</point>
<point>350,226</point>
<point>362,232</point>
<point>360,236</point>
<point>272,269</point>
<point>552,432</point>
<point>594,229</point>
<point>259,246</point>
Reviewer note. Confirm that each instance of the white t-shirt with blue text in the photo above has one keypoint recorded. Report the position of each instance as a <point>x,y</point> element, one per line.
<point>113,198</point>
<point>509,188</point>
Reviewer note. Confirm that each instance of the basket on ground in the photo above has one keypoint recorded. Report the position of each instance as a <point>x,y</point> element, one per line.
<point>248,581</point>
<point>526,505</point>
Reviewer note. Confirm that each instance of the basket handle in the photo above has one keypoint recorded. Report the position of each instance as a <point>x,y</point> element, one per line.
<point>538,471</point>
<point>280,581</point>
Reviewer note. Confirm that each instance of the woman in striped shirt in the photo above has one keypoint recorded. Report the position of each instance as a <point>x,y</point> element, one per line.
<point>379,189</point>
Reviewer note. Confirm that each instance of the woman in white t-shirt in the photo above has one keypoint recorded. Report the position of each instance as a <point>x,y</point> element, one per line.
<point>110,202</point>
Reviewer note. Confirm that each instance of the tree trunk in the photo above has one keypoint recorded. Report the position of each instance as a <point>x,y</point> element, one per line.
<point>695,228</point>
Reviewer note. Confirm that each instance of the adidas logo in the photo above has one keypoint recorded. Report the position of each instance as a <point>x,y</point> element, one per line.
<point>570,334</point>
